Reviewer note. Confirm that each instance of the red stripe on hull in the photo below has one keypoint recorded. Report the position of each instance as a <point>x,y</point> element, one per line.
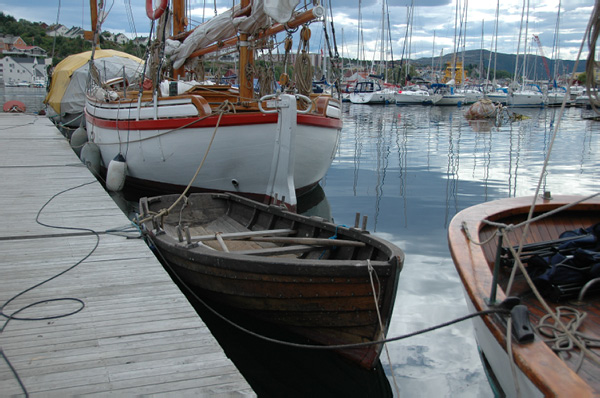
<point>211,121</point>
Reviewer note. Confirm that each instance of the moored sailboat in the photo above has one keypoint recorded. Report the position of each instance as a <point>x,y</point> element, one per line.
<point>217,137</point>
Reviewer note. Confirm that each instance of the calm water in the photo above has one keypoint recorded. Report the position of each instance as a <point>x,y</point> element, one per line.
<point>410,170</point>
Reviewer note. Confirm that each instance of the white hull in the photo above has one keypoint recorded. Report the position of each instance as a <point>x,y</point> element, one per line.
<point>371,92</point>
<point>501,98</point>
<point>526,98</point>
<point>471,96</point>
<point>451,100</point>
<point>556,99</point>
<point>416,98</point>
<point>377,97</point>
<point>499,362</point>
<point>248,155</point>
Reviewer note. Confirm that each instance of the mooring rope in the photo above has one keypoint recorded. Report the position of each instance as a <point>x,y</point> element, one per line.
<point>381,327</point>
<point>165,212</point>
<point>317,346</point>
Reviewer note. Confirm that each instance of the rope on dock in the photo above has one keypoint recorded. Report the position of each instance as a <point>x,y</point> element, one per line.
<point>124,231</point>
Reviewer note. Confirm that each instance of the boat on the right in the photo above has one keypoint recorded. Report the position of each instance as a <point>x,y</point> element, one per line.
<point>531,271</point>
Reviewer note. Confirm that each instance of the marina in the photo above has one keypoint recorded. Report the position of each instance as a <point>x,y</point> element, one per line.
<point>87,308</point>
<point>409,170</point>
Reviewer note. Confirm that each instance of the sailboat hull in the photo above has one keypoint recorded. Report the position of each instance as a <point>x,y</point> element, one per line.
<point>244,150</point>
<point>526,98</point>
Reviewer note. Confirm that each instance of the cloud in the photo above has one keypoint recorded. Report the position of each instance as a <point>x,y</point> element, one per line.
<point>430,17</point>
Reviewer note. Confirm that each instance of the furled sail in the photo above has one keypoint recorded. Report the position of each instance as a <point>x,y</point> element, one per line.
<point>227,24</point>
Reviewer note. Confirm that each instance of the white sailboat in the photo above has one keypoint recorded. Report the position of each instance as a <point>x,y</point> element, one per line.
<point>524,95</point>
<point>416,95</point>
<point>216,137</point>
<point>374,90</point>
<point>492,91</point>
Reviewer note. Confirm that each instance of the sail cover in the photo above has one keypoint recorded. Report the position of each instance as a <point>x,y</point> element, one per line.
<point>69,78</point>
<point>225,25</point>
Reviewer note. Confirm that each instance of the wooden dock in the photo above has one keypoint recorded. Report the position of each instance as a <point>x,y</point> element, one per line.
<point>136,334</point>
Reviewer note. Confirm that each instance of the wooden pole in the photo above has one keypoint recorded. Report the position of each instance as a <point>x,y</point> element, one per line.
<point>246,61</point>
<point>179,25</point>
<point>94,17</point>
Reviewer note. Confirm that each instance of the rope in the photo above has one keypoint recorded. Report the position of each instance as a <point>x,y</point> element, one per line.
<point>315,346</point>
<point>593,357</point>
<point>566,331</point>
<point>560,341</point>
<point>381,327</point>
<point>303,74</point>
<point>165,212</point>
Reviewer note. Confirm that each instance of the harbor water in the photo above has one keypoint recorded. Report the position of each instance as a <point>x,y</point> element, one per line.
<point>410,170</point>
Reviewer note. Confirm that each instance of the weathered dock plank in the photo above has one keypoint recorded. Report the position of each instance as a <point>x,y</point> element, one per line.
<point>136,334</point>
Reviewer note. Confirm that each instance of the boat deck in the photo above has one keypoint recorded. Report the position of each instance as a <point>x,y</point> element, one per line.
<point>136,334</point>
<point>569,375</point>
<point>549,230</point>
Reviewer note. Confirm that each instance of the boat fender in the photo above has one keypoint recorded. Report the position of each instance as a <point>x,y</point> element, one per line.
<point>115,176</point>
<point>155,14</point>
<point>14,107</point>
<point>78,140</point>
<point>90,156</point>
<point>521,327</point>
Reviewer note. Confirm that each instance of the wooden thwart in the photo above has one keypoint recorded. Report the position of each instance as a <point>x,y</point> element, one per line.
<point>243,235</point>
<point>276,251</point>
<point>309,241</point>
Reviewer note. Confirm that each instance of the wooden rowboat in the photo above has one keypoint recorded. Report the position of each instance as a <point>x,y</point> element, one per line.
<point>332,284</point>
<point>537,368</point>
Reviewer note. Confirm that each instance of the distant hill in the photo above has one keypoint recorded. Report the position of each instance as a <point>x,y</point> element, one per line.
<point>506,62</point>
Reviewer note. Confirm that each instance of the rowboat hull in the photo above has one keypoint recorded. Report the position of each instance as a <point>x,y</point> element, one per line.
<point>535,369</point>
<point>324,294</point>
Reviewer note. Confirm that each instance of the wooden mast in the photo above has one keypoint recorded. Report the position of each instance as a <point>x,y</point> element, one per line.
<point>179,26</point>
<point>246,61</point>
<point>91,35</point>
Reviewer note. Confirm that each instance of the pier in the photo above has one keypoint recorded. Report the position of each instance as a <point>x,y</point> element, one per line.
<point>130,330</point>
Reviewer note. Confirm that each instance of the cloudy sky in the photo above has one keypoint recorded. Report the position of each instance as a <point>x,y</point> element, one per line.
<point>431,18</point>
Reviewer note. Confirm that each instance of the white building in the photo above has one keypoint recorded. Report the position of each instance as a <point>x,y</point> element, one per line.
<point>22,64</point>
<point>57,30</point>
<point>24,70</point>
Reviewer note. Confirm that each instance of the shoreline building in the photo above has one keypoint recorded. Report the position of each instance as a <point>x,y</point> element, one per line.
<point>22,64</point>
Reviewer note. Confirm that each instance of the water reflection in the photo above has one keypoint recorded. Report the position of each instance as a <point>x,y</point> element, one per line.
<point>410,170</point>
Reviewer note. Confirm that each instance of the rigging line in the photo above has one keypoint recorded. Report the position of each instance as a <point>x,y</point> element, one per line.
<point>542,301</point>
<point>164,212</point>
<point>556,127</point>
<point>55,32</point>
<point>376,294</point>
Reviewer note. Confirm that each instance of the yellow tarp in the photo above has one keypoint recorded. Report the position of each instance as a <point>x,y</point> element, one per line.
<point>61,76</point>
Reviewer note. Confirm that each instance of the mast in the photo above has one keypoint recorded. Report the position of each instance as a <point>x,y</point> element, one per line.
<point>179,25</point>
<point>91,35</point>
<point>519,42</point>
<point>246,59</point>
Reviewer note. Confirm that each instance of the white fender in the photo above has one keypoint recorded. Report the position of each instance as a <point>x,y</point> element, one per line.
<point>78,140</point>
<point>90,156</point>
<point>115,176</point>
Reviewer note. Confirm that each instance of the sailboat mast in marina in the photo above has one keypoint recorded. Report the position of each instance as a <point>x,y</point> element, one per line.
<point>173,133</point>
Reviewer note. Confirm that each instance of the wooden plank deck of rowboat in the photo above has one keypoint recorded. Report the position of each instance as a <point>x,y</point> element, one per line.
<point>136,334</point>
